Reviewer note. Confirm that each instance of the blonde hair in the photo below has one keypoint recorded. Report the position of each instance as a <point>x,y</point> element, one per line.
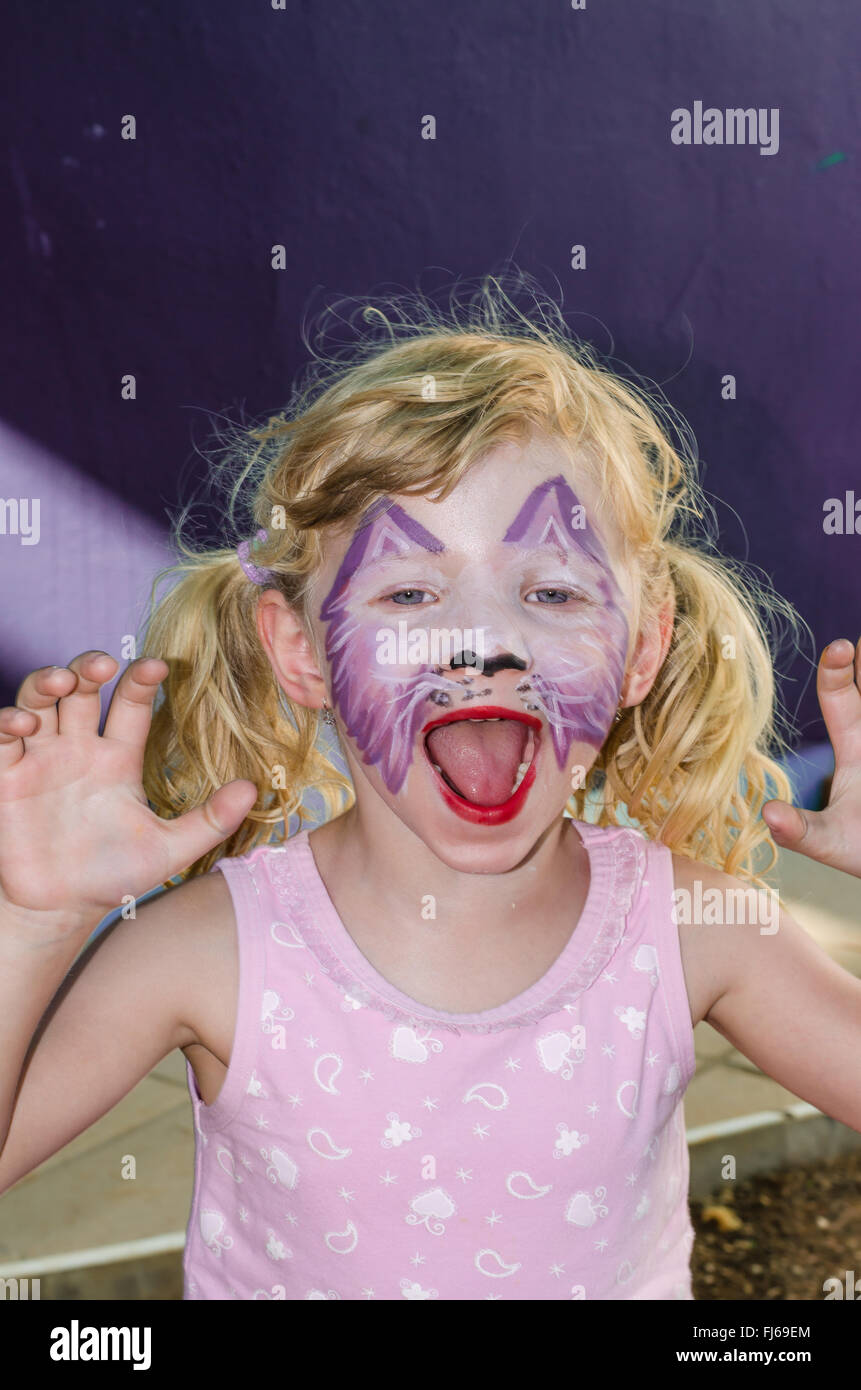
<point>418,397</point>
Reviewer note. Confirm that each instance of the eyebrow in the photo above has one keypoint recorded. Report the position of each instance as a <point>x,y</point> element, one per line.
<point>389,561</point>
<point>576,561</point>
<point>582,555</point>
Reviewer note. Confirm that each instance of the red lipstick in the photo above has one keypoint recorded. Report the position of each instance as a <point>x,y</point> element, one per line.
<point>485,712</point>
<point>506,810</point>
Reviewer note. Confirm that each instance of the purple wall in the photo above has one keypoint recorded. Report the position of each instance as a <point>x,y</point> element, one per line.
<point>303,126</point>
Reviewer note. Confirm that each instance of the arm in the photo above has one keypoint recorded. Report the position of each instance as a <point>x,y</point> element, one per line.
<point>76,838</point>
<point>797,1015</point>
<point>780,999</point>
<point>808,1010</point>
<point>147,985</point>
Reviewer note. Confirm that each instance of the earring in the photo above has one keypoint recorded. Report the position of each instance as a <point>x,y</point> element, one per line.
<point>328,716</point>
<point>618,716</point>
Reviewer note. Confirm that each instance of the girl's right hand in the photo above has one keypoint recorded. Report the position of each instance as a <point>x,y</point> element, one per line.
<point>832,836</point>
<point>76,833</point>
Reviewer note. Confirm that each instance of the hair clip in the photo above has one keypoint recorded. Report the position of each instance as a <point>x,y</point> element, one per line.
<point>257,576</point>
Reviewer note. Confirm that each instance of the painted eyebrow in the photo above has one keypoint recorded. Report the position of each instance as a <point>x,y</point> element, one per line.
<point>413,551</point>
<point>574,558</point>
<point>409,552</point>
<point>387,562</point>
<point>549,547</point>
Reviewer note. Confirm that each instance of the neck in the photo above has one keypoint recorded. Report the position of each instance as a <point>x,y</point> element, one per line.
<point>366,858</point>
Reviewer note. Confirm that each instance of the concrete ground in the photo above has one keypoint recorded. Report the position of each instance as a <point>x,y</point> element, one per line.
<point>78,1201</point>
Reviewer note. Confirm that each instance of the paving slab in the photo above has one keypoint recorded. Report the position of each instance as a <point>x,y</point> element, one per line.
<point>84,1202</point>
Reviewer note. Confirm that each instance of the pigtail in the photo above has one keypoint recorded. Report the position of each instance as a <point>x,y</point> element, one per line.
<point>222,714</point>
<point>696,760</point>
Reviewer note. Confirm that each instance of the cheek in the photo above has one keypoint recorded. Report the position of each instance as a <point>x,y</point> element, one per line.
<point>383,705</point>
<point>357,677</point>
<point>577,682</point>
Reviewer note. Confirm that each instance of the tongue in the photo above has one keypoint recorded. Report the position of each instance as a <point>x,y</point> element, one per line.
<point>480,759</point>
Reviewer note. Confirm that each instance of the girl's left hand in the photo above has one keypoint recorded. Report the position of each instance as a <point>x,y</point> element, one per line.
<point>832,836</point>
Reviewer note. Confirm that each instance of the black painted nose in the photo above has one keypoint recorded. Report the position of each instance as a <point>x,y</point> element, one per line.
<point>490,665</point>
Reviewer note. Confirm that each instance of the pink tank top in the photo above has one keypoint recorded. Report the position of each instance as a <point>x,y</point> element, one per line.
<point>365,1146</point>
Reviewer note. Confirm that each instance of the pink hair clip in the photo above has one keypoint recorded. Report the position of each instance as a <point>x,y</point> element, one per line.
<point>257,576</point>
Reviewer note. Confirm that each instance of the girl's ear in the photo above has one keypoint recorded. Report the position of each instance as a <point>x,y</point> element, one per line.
<point>289,650</point>
<point>650,653</point>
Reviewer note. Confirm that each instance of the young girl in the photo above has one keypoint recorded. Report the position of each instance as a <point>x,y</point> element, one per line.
<point>438,1046</point>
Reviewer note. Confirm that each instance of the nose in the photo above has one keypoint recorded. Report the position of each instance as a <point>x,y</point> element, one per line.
<point>506,661</point>
<point>492,638</point>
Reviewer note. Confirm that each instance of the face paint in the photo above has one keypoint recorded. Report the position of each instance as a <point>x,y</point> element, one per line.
<point>575,683</point>
<point>573,659</point>
<point>382,710</point>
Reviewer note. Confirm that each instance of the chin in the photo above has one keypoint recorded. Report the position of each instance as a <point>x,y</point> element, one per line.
<point>477,847</point>
<point>481,857</point>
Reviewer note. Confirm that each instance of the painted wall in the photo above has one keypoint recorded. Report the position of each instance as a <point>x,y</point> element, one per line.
<point>302,125</point>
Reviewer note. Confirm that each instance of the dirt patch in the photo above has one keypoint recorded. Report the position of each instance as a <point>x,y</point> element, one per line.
<point>797,1228</point>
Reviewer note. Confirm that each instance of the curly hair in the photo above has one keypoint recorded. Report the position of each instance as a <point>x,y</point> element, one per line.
<point>419,395</point>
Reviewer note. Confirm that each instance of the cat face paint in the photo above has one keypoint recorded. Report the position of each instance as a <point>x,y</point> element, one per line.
<point>383,708</point>
<point>575,683</point>
<point>563,660</point>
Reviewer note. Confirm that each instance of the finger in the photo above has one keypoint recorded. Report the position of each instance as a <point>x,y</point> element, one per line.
<point>39,693</point>
<point>130,715</point>
<point>79,712</point>
<point>197,832</point>
<point>838,685</point>
<point>805,832</point>
<point>14,724</point>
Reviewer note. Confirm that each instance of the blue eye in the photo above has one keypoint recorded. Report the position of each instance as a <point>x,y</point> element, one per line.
<point>406,596</point>
<point>557,595</point>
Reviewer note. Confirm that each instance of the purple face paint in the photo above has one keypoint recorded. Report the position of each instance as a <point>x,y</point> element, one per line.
<point>576,681</point>
<point>383,710</point>
<point>575,659</point>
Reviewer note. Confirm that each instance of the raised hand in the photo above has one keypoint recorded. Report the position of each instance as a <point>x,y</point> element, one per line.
<point>832,836</point>
<point>76,832</point>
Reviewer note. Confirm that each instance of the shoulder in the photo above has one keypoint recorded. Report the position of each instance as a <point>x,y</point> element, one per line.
<point>200,911</point>
<point>196,924</point>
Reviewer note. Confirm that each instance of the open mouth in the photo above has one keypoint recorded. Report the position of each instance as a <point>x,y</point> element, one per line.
<point>484,760</point>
